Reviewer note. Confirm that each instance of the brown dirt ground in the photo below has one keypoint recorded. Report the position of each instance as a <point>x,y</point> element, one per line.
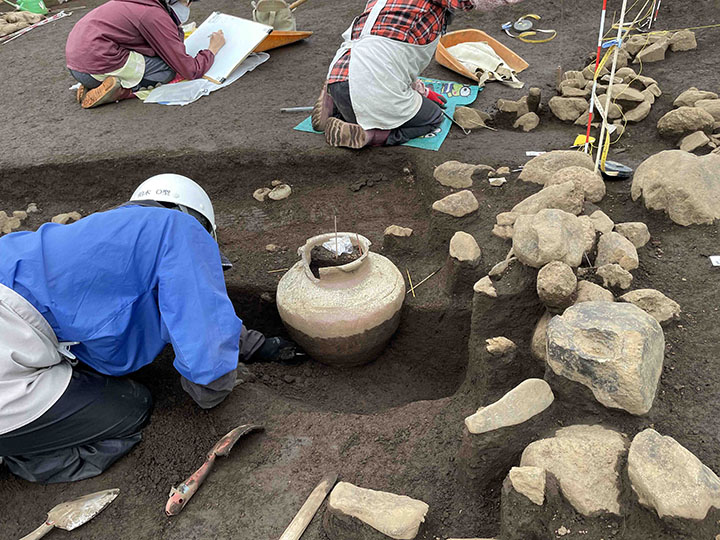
<point>394,424</point>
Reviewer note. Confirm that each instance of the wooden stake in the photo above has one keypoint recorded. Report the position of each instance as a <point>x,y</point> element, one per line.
<point>305,515</point>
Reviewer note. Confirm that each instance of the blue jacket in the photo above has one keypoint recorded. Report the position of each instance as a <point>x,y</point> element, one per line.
<point>126,282</point>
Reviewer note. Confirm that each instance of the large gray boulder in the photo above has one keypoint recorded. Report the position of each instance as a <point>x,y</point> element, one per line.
<point>614,349</point>
<point>684,121</point>
<point>355,513</point>
<point>584,459</point>
<point>686,186</point>
<point>541,168</point>
<point>549,235</point>
<point>670,479</point>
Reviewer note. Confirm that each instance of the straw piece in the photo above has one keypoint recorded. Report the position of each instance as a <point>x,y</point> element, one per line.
<point>278,270</point>
<point>423,281</point>
<point>412,289</point>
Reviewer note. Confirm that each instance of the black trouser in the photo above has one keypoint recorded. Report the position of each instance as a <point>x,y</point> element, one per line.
<point>427,119</point>
<point>95,422</point>
<point>156,72</point>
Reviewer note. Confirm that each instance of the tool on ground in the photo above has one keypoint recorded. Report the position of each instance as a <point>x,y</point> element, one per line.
<point>296,109</point>
<point>524,29</point>
<point>612,170</point>
<point>8,39</point>
<point>71,514</point>
<point>181,495</point>
<point>305,515</point>
<point>33,6</point>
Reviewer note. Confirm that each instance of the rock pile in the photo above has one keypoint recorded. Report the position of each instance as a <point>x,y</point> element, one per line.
<point>278,192</point>
<point>524,111</point>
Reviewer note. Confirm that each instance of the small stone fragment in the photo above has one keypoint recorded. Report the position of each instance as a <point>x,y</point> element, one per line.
<point>654,303</point>
<point>261,193</point>
<point>691,96</point>
<point>692,142</point>
<point>556,285</point>
<point>684,40</point>
<point>502,171</point>
<point>530,481</point>
<point>7,223</point>
<point>352,509</point>
<point>590,292</point>
<point>276,183</point>
<point>615,276</point>
<point>497,182</point>
<point>485,286</point>
<point>273,248</point>
<point>528,399</point>
<point>64,219</point>
<point>280,192</point>
<point>568,109</point>
<point>615,248</point>
<point>457,204</point>
<point>396,230</point>
<point>591,183</point>
<point>614,349</point>
<point>32,208</point>
<point>464,248</point>
<point>602,222</point>
<point>635,231</point>
<point>670,479</point>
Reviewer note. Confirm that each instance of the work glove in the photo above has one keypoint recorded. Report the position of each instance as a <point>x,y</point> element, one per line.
<point>437,98</point>
<point>277,349</point>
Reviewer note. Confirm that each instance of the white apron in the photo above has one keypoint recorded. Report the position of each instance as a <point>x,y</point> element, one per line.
<point>382,71</point>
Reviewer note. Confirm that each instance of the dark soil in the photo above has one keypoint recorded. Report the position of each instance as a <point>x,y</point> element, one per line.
<point>397,423</point>
<point>321,257</point>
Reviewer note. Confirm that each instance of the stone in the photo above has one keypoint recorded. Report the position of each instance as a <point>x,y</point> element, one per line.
<point>624,92</point>
<point>711,106</point>
<point>573,75</point>
<point>635,231</point>
<point>589,233</point>
<point>654,303</point>
<point>457,204</point>
<point>684,121</point>
<point>589,72</point>
<point>276,183</point>
<point>8,223</point>
<point>64,219</point>
<point>602,222</point>
<point>397,231</point>
<point>527,122</point>
<point>639,113</point>
<point>485,286</point>
<point>470,118</point>
<point>591,183</point>
<point>652,53</point>
<point>499,346</point>
<point>260,194</point>
<point>541,168</point>
<point>590,292</point>
<point>507,106</point>
<point>32,208</point>
<point>530,481</point>
<point>654,90</point>
<point>615,276</point>
<point>686,186</point>
<point>570,91</point>
<point>670,479</point>
<point>684,40</point>
<point>694,141</point>
<point>465,249</point>
<point>533,99</point>
<point>614,349</point>
<point>497,182</point>
<point>280,192</point>
<point>634,44</point>
<point>615,248</point>
<point>568,109</point>
<point>567,196</point>
<point>556,285</point>
<point>584,461</point>
<point>528,399</point>
<point>20,214</point>
<point>649,96</point>
<point>502,171</point>
<point>455,174</point>
<point>352,510</point>
<point>273,248</point>
<point>691,96</point>
<point>549,235</point>
<point>538,343</point>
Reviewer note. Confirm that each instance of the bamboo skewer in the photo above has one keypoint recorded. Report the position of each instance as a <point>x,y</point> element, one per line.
<point>422,281</point>
<point>412,289</point>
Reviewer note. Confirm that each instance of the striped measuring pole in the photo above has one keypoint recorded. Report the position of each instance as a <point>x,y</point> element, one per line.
<point>597,64</point>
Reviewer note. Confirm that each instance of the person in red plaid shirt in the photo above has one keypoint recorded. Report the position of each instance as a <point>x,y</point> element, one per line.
<point>372,96</point>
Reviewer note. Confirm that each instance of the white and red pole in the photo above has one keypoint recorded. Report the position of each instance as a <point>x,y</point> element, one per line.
<point>597,64</point>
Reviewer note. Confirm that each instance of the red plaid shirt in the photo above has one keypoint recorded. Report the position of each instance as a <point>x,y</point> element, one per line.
<point>413,21</point>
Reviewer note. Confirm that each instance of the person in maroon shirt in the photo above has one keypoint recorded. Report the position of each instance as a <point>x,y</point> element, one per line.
<point>125,45</point>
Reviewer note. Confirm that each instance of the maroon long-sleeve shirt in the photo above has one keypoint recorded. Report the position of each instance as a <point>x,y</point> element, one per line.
<point>101,41</point>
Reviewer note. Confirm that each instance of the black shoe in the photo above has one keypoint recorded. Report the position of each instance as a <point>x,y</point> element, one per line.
<point>277,349</point>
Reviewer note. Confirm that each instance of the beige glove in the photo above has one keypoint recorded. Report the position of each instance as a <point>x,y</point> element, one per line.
<point>275,13</point>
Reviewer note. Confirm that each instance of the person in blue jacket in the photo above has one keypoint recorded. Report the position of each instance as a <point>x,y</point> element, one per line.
<point>84,304</point>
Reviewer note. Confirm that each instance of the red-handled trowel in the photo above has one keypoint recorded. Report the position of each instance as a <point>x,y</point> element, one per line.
<point>70,515</point>
<point>181,495</point>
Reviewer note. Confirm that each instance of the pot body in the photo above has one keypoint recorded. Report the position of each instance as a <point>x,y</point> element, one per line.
<point>348,315</point>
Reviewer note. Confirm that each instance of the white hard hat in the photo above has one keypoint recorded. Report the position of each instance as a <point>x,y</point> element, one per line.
<point>179,190</point>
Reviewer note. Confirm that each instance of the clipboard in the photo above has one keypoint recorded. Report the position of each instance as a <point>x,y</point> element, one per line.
<point>242,36</point>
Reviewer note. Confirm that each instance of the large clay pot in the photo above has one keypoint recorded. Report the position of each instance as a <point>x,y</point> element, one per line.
<point>347,316</point>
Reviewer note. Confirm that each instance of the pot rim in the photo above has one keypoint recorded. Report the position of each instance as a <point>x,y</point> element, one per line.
<point>305,250</point>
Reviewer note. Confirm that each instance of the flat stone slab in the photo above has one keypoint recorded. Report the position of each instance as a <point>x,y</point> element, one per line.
<point>457,204</point>
<point>528,399</point>
<point>355,513</point>
<point>584,460</point>
<point>670,479</point>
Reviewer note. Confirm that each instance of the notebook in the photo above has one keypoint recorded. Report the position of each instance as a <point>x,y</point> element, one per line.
<point>241,38</point>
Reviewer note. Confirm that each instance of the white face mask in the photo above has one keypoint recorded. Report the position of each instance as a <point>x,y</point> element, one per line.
<point>182,11</point>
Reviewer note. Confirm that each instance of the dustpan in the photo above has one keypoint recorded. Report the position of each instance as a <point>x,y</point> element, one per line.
<point>444,58</point>
<point>277,39</point>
